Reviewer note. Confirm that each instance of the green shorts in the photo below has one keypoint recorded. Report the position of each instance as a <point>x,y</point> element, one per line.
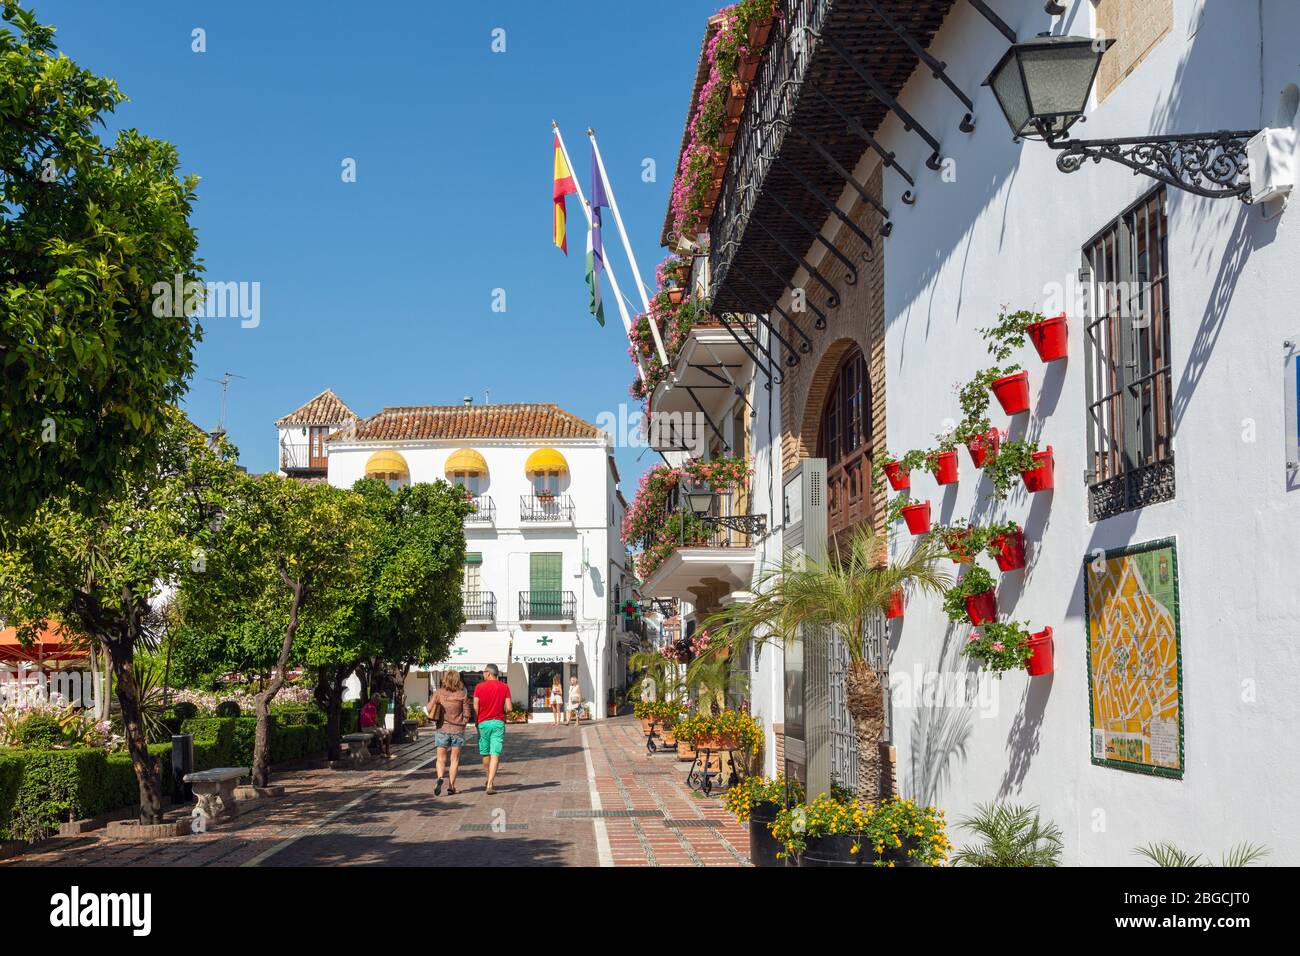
<point>491,737</point>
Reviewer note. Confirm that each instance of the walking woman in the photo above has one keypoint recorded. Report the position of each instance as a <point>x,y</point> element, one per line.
<point>556,698</point>
<point>449,710</point>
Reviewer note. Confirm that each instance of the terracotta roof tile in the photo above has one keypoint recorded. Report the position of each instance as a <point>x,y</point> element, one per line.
<point>325,409</point>
<point>420,422</point>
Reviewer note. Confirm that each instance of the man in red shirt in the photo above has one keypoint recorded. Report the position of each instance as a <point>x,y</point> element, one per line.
<point>491,701</point>
<point>370,723</point>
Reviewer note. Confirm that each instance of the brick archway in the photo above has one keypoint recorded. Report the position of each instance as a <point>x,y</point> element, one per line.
<point>815,401</point>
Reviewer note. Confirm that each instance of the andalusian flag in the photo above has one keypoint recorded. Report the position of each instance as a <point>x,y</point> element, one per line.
<point>595,248</point>
<point>564,185</point>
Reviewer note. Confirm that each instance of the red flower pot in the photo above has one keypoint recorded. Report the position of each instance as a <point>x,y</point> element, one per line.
<point>945,468</point>
<point>981,608</point>
<point>1041,658</point>
<point>899,479</point>
<point>917,517</point>
<point>1041,477</point>
<point>983,447</point>
<point>675,295</point>
<point>1050,338</point>
<point>957,548</point>
<point>1010,554</point>
<point>1012,392</point>
<point>895,606</point>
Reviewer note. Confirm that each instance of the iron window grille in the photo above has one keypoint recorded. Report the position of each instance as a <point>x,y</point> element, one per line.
<point>479,605</point>
<point>1127,370</point>
<point>545,508</point>
<point>547,605</point>
<point>484,510</point>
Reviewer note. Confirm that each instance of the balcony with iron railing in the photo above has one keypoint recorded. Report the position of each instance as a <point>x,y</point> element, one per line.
<point>298,457</point>
<point>547,605</point>
<point>484,510</point>
<point>479,605</point>
<point>545,509</point>
<point>827,79</point>
<point>692,555</point>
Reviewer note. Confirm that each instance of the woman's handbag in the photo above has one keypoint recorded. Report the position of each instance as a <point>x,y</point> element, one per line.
<point>437,713</point>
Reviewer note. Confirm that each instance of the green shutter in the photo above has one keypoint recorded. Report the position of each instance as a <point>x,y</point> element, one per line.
<point>544,581</point>
<point>473,557</point>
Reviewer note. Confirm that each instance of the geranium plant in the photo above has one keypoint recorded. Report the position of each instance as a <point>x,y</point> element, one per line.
<point>976,581</point>
<point>1008,334</point>
<point>1014,456</point>
<point>999,646</point>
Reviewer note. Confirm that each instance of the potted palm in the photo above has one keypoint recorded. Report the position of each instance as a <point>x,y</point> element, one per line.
<point>841,593</point>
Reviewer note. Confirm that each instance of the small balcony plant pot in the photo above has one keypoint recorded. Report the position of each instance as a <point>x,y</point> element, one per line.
<point>1041,477</point>
<point>1010,553</point>
<point>984,447</point>
<point>1041,657</point>
<point>945,468</point>
<point>758,32</point>
<point>899,479</point>
<point>762,845</point>
<point>1012,392</point>
<point>747,69</point>
<point>676,294</point>
<point>982,608</point>
<point>917,517</point>
<point>894,608</point>
<point>1050,338</point>
<point>736,101</point>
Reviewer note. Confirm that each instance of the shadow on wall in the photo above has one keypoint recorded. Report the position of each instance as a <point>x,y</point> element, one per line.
<point>941,728</point>
<point>1023,737</point>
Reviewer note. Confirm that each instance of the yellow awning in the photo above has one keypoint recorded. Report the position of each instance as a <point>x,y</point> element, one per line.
<point>387,462</point>
<point>466,460</point>
<point>546,459</point>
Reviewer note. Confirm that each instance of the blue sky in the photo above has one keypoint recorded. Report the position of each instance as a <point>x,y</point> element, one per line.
<point>382,289</point>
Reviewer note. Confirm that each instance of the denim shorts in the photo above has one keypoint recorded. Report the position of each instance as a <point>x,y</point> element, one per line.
<point>441,739</point>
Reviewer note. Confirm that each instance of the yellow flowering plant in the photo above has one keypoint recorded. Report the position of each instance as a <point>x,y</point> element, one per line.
<point>735,726</point>
<point>886,834</point>
<point>741,799</point>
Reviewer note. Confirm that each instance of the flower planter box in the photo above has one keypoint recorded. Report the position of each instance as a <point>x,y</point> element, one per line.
<point>957,550</point>
<point>1010,553</point>
<point>899,479</point>
<point>984,447</point>
<point>736,99</point>
<point>945,468</point>
<point>646,726</point>
<point>716,743</point>
<point>1012,392</point>
<point>758,32</point>
<point>917,517</point>
<point>1050,337</point>
<point>762,845</point>
<point>676,294</point>
<point>1041,657</point>
<point>748,69</point>
<point>1043,476</point>
<point>685,751</point>
<point>982,608</point>
<point>894,608</point>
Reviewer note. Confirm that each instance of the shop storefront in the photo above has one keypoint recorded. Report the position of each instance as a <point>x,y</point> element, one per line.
<point>538,659</point>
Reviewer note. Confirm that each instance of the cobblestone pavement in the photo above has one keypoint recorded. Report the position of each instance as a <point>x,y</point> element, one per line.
<point>554,789</point>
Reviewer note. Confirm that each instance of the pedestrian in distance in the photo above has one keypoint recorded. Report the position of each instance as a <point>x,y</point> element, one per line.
<point>556,699</point>
<point>449,711</point>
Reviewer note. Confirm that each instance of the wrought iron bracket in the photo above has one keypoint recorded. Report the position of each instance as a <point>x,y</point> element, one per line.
<point>833,297</point>
<point>998,23</point>
<point>838,213</point>
<point>754,526</point>
<point>772,370</point>
<point>938,68</point>
<point>1213,165</point>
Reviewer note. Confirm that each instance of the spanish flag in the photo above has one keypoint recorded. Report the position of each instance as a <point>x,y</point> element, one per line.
<point>564,185</point>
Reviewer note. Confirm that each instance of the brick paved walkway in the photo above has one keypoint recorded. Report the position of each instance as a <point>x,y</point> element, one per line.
<point>544,813</point>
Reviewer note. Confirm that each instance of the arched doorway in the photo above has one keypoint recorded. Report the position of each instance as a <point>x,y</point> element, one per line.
<point>844,440</point>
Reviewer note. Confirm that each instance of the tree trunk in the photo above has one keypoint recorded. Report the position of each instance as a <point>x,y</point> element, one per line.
<point>121,653</point>
<point>866,704</point>
<point>262,702</point>
<point>399,705</point>
<point>329,695</point>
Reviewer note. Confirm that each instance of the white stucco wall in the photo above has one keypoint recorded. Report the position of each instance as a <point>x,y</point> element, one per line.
<point>1010,225</point>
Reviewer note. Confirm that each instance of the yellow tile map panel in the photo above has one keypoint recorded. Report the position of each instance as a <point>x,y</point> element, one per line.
<point>1134,660</point>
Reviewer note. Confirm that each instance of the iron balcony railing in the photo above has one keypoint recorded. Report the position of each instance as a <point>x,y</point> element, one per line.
<point>479,605</point>
<point>296,456</point>
<point>485,510</point>
<point>547,606</point>
<point>545,508</point>
<point>763,125</point>
<point>721,528</point>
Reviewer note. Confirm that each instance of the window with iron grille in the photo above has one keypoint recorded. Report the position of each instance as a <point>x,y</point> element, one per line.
<point>1129,381</point>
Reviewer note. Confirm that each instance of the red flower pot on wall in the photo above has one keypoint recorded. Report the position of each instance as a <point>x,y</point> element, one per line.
<point>917,517</point>
<point>1042,477</point>
<point>894,608</point>
<point>1010,553</point>
<point>1042,660</point>
<point>1050,338</point>
<point>945,468</point>
<point>899,479</point>
<point>1012,392</point>
<point>957,548</point>
<point>983,447</point>
<point>981,608</point>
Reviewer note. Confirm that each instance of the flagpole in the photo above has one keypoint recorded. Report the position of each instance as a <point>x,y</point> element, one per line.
<point>613,280</point>
<point>627,246</point>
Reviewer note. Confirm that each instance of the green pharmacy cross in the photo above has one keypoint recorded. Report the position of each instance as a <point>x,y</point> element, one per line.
<point>631,610</point>
<point>462,650</point>
<point>543,641</point>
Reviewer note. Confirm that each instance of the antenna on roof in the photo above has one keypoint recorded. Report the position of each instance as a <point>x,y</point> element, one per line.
<point>224,382</point>
<point>487,396</point>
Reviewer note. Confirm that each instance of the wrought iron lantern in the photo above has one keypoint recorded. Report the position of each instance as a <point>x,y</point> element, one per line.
<point>1043,85</point>
<point>699,497</point>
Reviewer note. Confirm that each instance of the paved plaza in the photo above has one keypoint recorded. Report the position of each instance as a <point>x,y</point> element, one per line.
<point>588,796</point>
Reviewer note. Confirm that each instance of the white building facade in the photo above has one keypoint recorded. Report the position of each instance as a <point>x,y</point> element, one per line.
<point>1161,558</point>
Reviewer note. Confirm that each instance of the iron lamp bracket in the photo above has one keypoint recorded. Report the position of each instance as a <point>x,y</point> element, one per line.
<point>1213,165</point>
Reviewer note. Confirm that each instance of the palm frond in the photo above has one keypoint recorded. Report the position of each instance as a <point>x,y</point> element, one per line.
<point>1244,854</point>
<point>1013,835</point>
<point>1167,854</point>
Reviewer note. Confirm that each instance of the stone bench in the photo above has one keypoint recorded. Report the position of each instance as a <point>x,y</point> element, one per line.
<point>411,729</point>
<point>215,792</point>
<point>358,747</point>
